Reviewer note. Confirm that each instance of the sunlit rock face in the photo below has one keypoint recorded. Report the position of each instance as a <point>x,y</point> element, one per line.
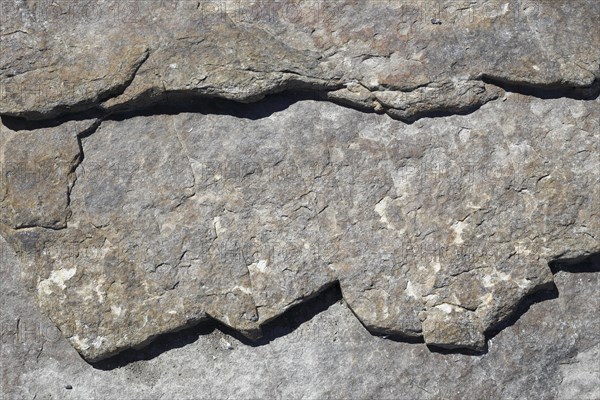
<point>436,229</point>
<point>166,163</point>
<point>405,58</point>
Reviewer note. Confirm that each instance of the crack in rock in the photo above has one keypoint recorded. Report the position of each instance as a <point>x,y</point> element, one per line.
<point>379,56</point>
<point>176,219</point>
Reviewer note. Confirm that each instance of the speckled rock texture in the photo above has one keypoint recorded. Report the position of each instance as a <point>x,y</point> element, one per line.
<point>65,56</point>
<point>318,350</point>
<point>427,170</point>
<point>436,229</point>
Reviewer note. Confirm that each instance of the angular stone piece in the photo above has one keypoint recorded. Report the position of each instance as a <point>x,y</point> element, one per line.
<point>37,174</point>
<point>436,229</point>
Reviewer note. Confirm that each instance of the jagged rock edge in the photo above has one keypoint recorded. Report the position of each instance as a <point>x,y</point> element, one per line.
<point>538,295</point>
<point>95,125</point>
<point>140,105</point>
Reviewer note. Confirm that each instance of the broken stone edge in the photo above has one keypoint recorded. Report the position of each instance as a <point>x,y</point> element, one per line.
<point>480,348</point>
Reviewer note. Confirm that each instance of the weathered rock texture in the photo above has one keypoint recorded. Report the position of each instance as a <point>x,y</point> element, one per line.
<point>64,56</point>
<point>318,351</point>
<point>131,222</point>
<point>436,229</point>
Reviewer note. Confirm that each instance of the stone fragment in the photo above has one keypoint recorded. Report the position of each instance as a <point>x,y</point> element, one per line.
<point>38,173</point>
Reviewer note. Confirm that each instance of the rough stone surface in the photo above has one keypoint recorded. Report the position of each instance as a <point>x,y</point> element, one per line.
<point>316,352</point>
<point>436,229</point>
<point>64,56</point>
<point>430,170</point>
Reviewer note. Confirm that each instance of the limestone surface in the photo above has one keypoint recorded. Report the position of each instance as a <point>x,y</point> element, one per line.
<point>318,351</point>
<point>430,158</point>
<point>436,229</point>
<point>63,56</point>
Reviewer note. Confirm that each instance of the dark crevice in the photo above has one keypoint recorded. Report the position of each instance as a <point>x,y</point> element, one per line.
<point>87,105</point>
<point>396,337</point>
<point>161,344</point>
<point>545,92</point>
<point>442,113</point>
<point>85,133</point>
<point>173,103</point>
<point>584,264</point>
<point>176,102</point>
<point>460,350</point>
<point>293,318</point>
<point>393,336</point>
<point>283,325</point>
<point>548,293</point>
<point>22,124</point>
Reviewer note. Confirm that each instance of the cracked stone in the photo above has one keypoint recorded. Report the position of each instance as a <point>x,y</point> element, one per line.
<point>59,58</point>
<point>436,229</point>
<point>38,172</point>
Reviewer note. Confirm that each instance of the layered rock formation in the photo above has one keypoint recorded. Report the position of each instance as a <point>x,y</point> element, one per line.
<point>61,57</point>
<point>141,199</point>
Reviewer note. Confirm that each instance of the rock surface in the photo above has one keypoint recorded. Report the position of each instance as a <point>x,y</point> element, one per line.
<point>436,229</point>
<point>142,196</point>
<point>319,351</point>
<point>63,56</point>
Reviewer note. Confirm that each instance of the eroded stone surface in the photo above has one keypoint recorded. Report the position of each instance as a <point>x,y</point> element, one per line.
<point>37,174</point>
<point>318,351</point>
<point>436,229</point>
<point>64,56</point>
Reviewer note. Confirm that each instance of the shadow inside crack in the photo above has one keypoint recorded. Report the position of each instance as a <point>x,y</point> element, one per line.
<point>292,318</point>
<point>589,263</point>
<point>523,306</point>
<point>297,315</point>
<point>549,293</point>
<point>283,325</point>
<point>176,102</point>
<point>163,343</point>
<point>585,264</point>
<point>545,92</point>
<point>173,103</point>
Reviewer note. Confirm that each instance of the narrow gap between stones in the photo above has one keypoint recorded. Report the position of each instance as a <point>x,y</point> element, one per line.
<point>545,92</point>
<point>172,103</point>
<point>289,321</point>
<point>584,264</point>
<point>283,325</point>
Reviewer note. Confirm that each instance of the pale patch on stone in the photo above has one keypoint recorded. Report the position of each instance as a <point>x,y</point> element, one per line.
<point>458,229</point>
<point>116,310</point>
<point>100,293</point>
<point>243,289</point>
<point>80,344</point>
<point>412,291</point>
<point>380,209</point>
<point>261,266</point>
<point>447,308</point>
<point>57,279</point>
<point>97,343</point>
<point>335,234</point>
